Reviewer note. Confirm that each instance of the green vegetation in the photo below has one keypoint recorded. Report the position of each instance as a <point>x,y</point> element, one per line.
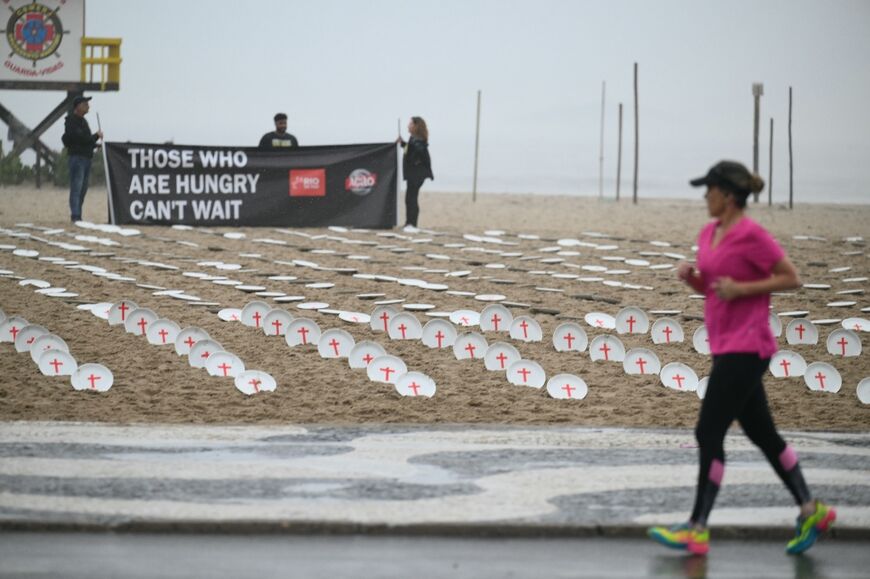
<point>14,172</point>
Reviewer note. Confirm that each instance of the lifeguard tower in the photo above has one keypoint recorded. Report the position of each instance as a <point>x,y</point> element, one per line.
<point>45,48</point>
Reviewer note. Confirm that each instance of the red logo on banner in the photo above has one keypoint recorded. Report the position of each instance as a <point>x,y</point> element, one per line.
<point>308,183</point>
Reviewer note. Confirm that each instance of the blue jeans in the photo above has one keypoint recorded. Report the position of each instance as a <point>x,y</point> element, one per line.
<point>79,171</point>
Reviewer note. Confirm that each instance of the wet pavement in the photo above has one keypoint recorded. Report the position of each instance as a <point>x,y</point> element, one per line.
<point>94,556</point>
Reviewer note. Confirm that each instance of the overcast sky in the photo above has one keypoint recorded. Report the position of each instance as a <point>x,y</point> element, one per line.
<point>214,72</point>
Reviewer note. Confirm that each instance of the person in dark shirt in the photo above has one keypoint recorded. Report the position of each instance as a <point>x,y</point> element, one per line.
<point>80,144</point>
<point>416,168</point>
<point>279,138</point>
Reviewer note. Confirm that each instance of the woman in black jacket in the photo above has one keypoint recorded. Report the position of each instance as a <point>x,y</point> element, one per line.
<point>416,166</point>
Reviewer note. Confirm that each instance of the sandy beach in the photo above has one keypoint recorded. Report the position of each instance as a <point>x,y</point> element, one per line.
<point>153,384</point>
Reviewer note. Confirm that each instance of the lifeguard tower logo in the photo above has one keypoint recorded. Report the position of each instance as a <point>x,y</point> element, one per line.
<point>34,32</point>
<point>307,183</point>
<point>360,181</point>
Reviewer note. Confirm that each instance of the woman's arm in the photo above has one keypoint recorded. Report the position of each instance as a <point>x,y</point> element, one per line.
<point>783,277</point>
<point>687,273</point>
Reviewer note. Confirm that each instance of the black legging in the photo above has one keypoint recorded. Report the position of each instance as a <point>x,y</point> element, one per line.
<point>735,391</point>
<point>412,208</point>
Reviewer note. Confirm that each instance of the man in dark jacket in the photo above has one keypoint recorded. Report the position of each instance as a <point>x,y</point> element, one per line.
<point>80,144</point>
<point>279,138</point>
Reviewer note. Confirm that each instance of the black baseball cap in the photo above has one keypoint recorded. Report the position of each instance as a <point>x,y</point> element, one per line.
<point>80,99</point>
<point>728,174</point>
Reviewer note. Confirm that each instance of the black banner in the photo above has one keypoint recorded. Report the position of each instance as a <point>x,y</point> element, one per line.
<point>350,185</point>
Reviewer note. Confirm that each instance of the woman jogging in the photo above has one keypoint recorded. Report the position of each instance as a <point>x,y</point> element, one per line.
<point>739,265</point>
<point>416,167</point>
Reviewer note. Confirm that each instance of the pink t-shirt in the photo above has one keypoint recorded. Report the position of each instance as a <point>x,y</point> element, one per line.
<point>747,252</point>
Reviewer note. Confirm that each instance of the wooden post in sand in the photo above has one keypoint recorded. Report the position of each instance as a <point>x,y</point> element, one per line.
<point>601,146</point>
<point>636,132</point>
<point>476,149</point>
<point>38,168</point>
<point>770,168</point>
<point>619,155</point>
<point>790,158</point>
<point>757,91</point>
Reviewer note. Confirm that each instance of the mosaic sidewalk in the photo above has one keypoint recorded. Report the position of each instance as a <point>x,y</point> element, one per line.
<point>440,480</point>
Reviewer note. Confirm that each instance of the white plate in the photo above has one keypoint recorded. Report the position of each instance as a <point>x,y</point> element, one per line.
<point>526,373</point>
<point>254,312</point>
<point>569,336</point>
<point>312,306</point>
<point>526,329</point>
<point>600,320</point>
<point>415,384</point>
<point>700,341</point>
<point>57,363</point>
<point>667,331</point>
<point>863,391</point>
<point>230,314</point>
<point>252,382</point>
<point>388,302</point>
<point>678,376</point>
<point>631,320</point>
<point>607,348</point>
<point>187,338</point>
<point>386,369</point>
<point>787,364</point>
<point>276,322</point>
<point>363,353</point>
<point>567,387</point>
<point>405,326</point>
<point>800,331</point>
<point>641,361</point>
<point>466,318</point>
<point>822,377</point>
<point>844,343</point>
<point>490,297</point>
<point>500,356</point>
<point>470,346</point>
<point>439,333</point>
<point>856,324</point>
<point>302,332</point>
<point>354,317</point>
<point>92,377</point>
<point>202,351</point>
<point>224,365</point>
<point>496,318</point>
<point>335,344</point>
<point>250,288</point>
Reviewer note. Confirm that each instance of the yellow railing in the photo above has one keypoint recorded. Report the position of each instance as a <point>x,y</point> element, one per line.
<point>101,61</point>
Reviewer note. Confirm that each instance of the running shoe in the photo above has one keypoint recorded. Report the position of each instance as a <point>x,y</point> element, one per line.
<point>809,529</point>
<point>682,536</point>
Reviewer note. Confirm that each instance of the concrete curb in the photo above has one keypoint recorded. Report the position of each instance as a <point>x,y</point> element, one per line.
<point>492,531</point>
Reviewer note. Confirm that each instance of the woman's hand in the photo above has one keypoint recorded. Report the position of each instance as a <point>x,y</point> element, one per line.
<point>727,289</point>
<point>685,271</point>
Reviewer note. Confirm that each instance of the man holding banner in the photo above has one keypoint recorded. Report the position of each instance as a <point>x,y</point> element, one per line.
<point>80,144</point>
<point>279,138</point>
